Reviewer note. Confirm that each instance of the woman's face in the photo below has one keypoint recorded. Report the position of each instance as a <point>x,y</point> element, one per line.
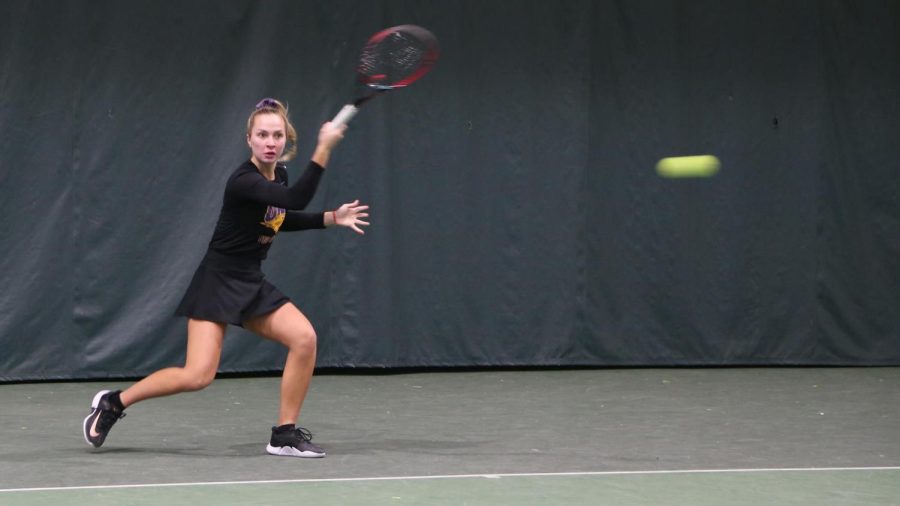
<point>267,138</point>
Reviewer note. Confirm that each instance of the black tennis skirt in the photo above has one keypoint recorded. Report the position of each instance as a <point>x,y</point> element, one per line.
<point>229,289</point>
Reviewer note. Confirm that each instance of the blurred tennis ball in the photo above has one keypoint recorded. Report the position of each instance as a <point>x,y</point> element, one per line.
<point>688,166</point>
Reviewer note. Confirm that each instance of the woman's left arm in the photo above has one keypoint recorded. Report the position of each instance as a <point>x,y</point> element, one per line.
<point>348,215</point>
<point>302,220</point>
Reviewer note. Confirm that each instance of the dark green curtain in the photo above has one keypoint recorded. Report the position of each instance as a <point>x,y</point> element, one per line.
<point>517,218</point>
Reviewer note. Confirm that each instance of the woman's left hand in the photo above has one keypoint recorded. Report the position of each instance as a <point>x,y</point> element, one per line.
<point>350,215</point>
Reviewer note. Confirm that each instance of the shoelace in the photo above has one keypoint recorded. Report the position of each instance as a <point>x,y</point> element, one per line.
<point>107,419</point>
<point>303,434</point>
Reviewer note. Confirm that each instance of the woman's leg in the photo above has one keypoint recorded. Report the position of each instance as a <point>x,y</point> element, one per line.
<point>203,351</point>
<point>288,326</point>
<point>204,348</point>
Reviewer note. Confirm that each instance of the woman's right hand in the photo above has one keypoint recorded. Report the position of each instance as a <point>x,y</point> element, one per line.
<point>329,137</point>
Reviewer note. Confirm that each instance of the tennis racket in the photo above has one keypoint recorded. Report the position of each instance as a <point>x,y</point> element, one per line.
<point>392,58</point>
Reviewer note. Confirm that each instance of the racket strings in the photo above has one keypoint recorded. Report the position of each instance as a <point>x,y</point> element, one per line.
<point>392,59</point>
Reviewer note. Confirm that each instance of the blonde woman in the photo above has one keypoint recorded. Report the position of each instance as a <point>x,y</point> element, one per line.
<point>229,287</point>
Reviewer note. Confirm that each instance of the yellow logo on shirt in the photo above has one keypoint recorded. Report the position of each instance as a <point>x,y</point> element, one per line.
<point>274,218</point>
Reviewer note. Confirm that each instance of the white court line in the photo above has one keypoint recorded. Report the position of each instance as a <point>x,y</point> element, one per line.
<point>456,476</point>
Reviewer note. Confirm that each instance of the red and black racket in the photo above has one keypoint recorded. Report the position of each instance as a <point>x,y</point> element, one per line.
<point>392,58</point>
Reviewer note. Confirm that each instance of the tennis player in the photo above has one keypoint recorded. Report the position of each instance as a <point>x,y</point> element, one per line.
<point>229,287</point>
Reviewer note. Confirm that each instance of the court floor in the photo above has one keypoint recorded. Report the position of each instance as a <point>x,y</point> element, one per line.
<point>604,436</point>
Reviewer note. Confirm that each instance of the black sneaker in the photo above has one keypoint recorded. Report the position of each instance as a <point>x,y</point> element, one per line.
<point>103,416</point>
<point>293,442</point>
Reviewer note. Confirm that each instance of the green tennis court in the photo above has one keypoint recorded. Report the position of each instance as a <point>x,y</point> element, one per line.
<point>610,436</point>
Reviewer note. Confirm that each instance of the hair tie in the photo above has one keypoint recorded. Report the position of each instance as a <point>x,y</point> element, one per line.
<point>267,102</point>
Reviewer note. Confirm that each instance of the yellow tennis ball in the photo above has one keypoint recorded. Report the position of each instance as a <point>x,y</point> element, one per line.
<point>688,166</point>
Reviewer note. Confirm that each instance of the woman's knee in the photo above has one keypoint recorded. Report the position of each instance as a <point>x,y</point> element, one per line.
<point>197,379</point>
<point>303,340</point>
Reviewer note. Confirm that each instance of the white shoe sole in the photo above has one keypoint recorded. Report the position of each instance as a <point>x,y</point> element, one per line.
<point>290,451</point>
<point>94,404</point>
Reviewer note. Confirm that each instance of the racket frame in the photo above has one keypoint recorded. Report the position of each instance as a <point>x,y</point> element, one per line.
<point>428,60</point>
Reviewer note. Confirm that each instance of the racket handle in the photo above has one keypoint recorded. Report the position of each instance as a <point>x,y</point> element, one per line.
<point>345,115</point>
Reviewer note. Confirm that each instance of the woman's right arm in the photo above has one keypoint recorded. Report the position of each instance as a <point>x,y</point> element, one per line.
<point>252,185</point>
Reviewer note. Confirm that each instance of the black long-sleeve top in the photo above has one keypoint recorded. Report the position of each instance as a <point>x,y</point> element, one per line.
<point>254,209</point>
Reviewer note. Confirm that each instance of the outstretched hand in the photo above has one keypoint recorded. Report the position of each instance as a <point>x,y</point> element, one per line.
<point>350,214</point>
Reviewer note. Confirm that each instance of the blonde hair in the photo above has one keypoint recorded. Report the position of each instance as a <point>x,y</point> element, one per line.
<point>272,106</point>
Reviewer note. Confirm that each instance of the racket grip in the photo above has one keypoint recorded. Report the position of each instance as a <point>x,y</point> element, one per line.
<point>345,115</point>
